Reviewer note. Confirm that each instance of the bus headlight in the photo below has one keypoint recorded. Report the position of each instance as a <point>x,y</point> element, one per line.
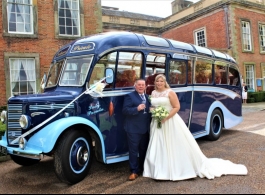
<point>66,114</point>
<point>3,116</point>
<point>22,143</point>
<point>24,121</point>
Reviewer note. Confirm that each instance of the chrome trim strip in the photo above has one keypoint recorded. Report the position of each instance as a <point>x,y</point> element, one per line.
<point>191,108</point>
<point>26,155</point>
<point>117,158</point>
<point>49,106</point>
<point>112,93</point>
<point>199,133</point>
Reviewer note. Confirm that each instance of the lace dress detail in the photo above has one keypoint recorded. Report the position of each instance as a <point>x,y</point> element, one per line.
<point>157,94</point>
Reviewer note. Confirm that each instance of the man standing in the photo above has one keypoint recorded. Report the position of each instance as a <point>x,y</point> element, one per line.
<point>137,126</point>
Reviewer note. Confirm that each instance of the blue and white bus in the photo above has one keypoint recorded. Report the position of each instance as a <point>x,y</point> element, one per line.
<point>72,124</point>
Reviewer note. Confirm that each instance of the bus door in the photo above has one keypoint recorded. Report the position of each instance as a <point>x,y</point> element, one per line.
<point>234,85</point>
<point>178,78</point>
<point>203,96</point>
<point>127,66</point>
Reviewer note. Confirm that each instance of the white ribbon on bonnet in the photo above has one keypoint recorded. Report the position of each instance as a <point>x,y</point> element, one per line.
<point>97,88</point>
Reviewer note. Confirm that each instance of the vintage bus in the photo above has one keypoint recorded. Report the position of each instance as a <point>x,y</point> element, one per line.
<point>73,125</point>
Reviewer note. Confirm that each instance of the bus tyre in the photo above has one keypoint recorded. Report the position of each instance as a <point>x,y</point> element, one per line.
<point>24,161</point>
<point>216,125</point>
<point>73,156</point>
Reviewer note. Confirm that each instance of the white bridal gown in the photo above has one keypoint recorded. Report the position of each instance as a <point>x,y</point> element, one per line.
<point>173,153</point>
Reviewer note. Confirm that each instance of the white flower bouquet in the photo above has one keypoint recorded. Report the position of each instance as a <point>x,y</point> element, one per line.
<point>159,113</point>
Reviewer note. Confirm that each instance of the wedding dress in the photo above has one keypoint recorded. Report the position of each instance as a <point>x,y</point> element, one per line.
<point>173,153</point>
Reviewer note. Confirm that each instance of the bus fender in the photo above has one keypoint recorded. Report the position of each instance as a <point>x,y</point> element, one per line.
<point>46,138</point>
<point>229,118</point>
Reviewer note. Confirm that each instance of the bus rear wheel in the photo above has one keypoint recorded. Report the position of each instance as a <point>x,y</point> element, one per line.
<point>73,156</point>
<point>216,125</point>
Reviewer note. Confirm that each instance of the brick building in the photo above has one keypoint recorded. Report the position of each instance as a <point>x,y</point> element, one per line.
<point>31,33</point>
<point>29,41</point>
<point>231,26</point>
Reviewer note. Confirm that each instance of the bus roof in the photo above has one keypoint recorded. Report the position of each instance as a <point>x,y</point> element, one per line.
<point>104,42</point>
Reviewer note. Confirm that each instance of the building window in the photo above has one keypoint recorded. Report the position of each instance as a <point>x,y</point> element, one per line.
<point>200,38</point>
<point>151,24</point>
<point>135,22</point>
<point>262,37</point>
<point>22,76</point>
<point>246,36</point>
<point>113,19</point>
<point>69,17</point>
<point>20,16</point>
<point>263,74</point>
<point>250,76</point>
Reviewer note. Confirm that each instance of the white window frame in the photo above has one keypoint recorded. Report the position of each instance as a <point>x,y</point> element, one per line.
<point>74,9</point>
<point>262,37</point>
<point>246,36</point>
<point>20,16</point>
<point>250,76</point>
<point>200,37</point>
<point>29,66</point>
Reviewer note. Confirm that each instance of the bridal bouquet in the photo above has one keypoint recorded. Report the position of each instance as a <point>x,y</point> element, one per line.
<point>159,113</point>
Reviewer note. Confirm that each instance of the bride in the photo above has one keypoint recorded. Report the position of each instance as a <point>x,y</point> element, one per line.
<point>173,153</point>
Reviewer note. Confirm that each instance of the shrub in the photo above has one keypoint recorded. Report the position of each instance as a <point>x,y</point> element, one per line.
<point>250,100</point>
<point>257,96</point>
<point>2,108</point>
<point>2,129</point>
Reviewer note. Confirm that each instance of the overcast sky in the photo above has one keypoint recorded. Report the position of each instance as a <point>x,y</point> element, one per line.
<point>160,8</point>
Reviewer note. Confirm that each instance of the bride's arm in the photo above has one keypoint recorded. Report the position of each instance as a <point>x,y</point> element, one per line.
<point>174,103</point>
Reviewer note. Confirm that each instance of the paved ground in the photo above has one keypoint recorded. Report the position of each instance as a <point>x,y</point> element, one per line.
<point>242,144</point>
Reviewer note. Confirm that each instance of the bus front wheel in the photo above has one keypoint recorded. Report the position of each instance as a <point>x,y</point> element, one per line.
<point>73,156</point>
<point>216,125</point>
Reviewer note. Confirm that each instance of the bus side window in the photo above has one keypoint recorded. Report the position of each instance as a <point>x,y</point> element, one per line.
<point>177,72</point>
<point>107,61</point>
<point>155,64</point>
<point>128,69</point>
<point>220,76</point>
<point>233,77</point>
<point>203,72</point>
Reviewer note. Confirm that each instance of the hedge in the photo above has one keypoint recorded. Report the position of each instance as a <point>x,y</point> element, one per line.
<point>256,97</point>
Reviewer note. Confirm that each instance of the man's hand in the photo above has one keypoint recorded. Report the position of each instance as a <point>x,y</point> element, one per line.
<point>141,107</point>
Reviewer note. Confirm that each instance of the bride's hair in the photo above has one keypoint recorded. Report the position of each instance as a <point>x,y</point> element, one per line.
<point>164,79</point>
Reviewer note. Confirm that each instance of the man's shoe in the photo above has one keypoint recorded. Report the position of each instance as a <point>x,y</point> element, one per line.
<point>133,176</point>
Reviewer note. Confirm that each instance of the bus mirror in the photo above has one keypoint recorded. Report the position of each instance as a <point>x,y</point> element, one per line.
<point>109,75</point>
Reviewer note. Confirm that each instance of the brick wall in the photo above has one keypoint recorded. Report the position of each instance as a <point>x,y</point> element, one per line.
<point>215,30</point>
<point>45,44</point>
<point>254,17</point>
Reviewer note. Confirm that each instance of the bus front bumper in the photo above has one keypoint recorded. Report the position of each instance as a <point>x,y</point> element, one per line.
<point>26,153</point>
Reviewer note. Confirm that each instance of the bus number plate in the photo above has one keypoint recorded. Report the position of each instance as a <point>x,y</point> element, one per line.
<point>3,150</point>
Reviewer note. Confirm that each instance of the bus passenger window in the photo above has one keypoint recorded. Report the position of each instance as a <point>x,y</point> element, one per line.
<point>155,64</point>
<point>220,76</point>
<point>203,72</point>
<point>107,61</point>
<point>128,69</point>
<point>233,77</point>
<point>177,72</point>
